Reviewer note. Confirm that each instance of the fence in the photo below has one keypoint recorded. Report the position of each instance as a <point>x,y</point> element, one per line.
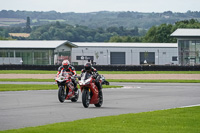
<point>105,67</point>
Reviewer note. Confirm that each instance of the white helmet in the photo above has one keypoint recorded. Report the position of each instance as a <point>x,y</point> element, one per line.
<point>65,64</point>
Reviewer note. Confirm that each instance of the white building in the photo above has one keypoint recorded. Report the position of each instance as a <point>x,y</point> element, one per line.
<point>125,53</point>
<point>35,52</point>
<point>188,46</point>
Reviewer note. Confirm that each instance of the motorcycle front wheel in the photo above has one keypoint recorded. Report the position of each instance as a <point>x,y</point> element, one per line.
<point>85,98</point>
<point>61,94</point>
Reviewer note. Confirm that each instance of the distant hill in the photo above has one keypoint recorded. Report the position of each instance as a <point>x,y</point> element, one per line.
<point>103,19</point>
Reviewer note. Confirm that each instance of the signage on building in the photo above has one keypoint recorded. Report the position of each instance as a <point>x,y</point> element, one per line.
<point>84,57</point>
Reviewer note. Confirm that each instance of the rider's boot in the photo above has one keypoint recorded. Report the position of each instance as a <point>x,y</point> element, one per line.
<point>99,86</point>
<point>75,89</point>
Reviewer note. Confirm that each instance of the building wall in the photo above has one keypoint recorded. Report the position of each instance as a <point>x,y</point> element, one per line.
<point>189,51</point>
<point>26,56</point>
<point>132,55</point>
<point>62,53</point>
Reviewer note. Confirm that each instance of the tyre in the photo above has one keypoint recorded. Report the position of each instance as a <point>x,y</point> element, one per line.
<point>75,99</point>
<point>99,104</point>
<point>85,98</point>
<point>61,94</point>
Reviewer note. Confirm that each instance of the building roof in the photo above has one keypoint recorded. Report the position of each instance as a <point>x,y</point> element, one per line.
<point>34,44</point>
<point>186,33</point>
<point>92,44</point>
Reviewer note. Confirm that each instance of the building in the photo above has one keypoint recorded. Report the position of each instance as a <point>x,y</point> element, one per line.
<point>35,52</point>
<point>188,46</point>
<point>125,53</point>
<point>185,52</point>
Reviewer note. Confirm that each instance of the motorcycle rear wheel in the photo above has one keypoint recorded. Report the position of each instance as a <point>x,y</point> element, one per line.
<point>85,98</point>
<point>75,99</point>
<point>61,94</point>
<point>99,104</point>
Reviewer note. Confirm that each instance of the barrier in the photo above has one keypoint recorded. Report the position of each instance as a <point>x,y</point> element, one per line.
<point>106,67</point>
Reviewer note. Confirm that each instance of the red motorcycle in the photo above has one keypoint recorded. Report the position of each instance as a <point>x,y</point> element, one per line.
<point>90,92</point>
<point>66,87</point>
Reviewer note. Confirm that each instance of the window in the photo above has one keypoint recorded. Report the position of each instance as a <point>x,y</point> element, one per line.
<point>174,58</point>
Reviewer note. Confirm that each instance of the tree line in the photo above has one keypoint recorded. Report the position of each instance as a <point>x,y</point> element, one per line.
<point>61,31</point>
<point>104,19</point>
<point>78,33</point>
<point>159,34</point>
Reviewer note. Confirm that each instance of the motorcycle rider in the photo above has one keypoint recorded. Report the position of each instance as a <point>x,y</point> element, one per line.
<point>88,68</point>
<point>66,66</point>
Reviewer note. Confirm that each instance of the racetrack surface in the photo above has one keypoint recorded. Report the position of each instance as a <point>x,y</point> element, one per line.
<point>33,108</point>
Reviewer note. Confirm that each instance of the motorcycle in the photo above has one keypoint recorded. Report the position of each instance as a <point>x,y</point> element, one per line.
<point>90,92</point>
<point>66,87</point>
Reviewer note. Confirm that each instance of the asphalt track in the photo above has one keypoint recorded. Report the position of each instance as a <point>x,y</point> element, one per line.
<point>33,108</point>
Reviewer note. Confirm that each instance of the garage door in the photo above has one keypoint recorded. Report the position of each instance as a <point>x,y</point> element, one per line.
<point>117,58</point>
<point>147,57</point>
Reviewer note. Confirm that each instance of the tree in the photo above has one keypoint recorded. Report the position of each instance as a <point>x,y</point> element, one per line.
<point>125,39</point>
<point>28,27</point>
<point>162,32</point>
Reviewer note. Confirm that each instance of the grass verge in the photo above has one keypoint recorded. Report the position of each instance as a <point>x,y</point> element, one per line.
<point>25,87</point>
<point>27,80</point>
<point>101,72</point>
<point>154,80</point>
<point>179,120</point>
<point>111,80</point>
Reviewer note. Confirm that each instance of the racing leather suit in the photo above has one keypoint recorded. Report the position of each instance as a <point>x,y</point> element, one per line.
<point>95,74</point>
<point>73,71</point>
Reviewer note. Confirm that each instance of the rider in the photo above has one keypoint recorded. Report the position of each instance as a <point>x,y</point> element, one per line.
<point>68,68</point>
<point>88,68</point>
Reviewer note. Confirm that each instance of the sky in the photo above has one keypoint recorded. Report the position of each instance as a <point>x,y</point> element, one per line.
<point>84,6</point>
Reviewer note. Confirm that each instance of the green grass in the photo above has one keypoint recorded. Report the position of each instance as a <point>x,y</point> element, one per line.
<point>25,87</point>
<point>27,72</point>
<point>112,80</point>
<point>154,80</point>
<point>100,72</point>
<point>28,80</point>
<point>179,120</point>
<point>49,20</point>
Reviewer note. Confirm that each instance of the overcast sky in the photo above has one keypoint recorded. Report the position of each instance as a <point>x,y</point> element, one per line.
<point>101,5</point>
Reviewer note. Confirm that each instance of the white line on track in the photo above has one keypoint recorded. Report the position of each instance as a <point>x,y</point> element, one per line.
<point>190,106</point>
<point>125,88</point>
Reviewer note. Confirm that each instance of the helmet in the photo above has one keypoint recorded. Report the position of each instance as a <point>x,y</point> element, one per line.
<point>65,64</point>
<point>88,66</point>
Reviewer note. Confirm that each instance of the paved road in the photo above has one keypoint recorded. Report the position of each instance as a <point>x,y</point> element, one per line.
<point>32,108</point>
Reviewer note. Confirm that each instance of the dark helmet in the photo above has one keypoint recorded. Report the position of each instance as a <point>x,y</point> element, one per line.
<point>66,64</point>
<point>88,66</point>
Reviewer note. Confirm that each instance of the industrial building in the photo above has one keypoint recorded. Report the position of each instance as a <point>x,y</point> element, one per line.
<point>188,46</point>
<point>35,52</point>
<point>125,53</point>
<point>54,52</point>
<point>185,52</point>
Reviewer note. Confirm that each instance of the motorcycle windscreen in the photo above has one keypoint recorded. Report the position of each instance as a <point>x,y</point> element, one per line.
<point>86,76</point>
